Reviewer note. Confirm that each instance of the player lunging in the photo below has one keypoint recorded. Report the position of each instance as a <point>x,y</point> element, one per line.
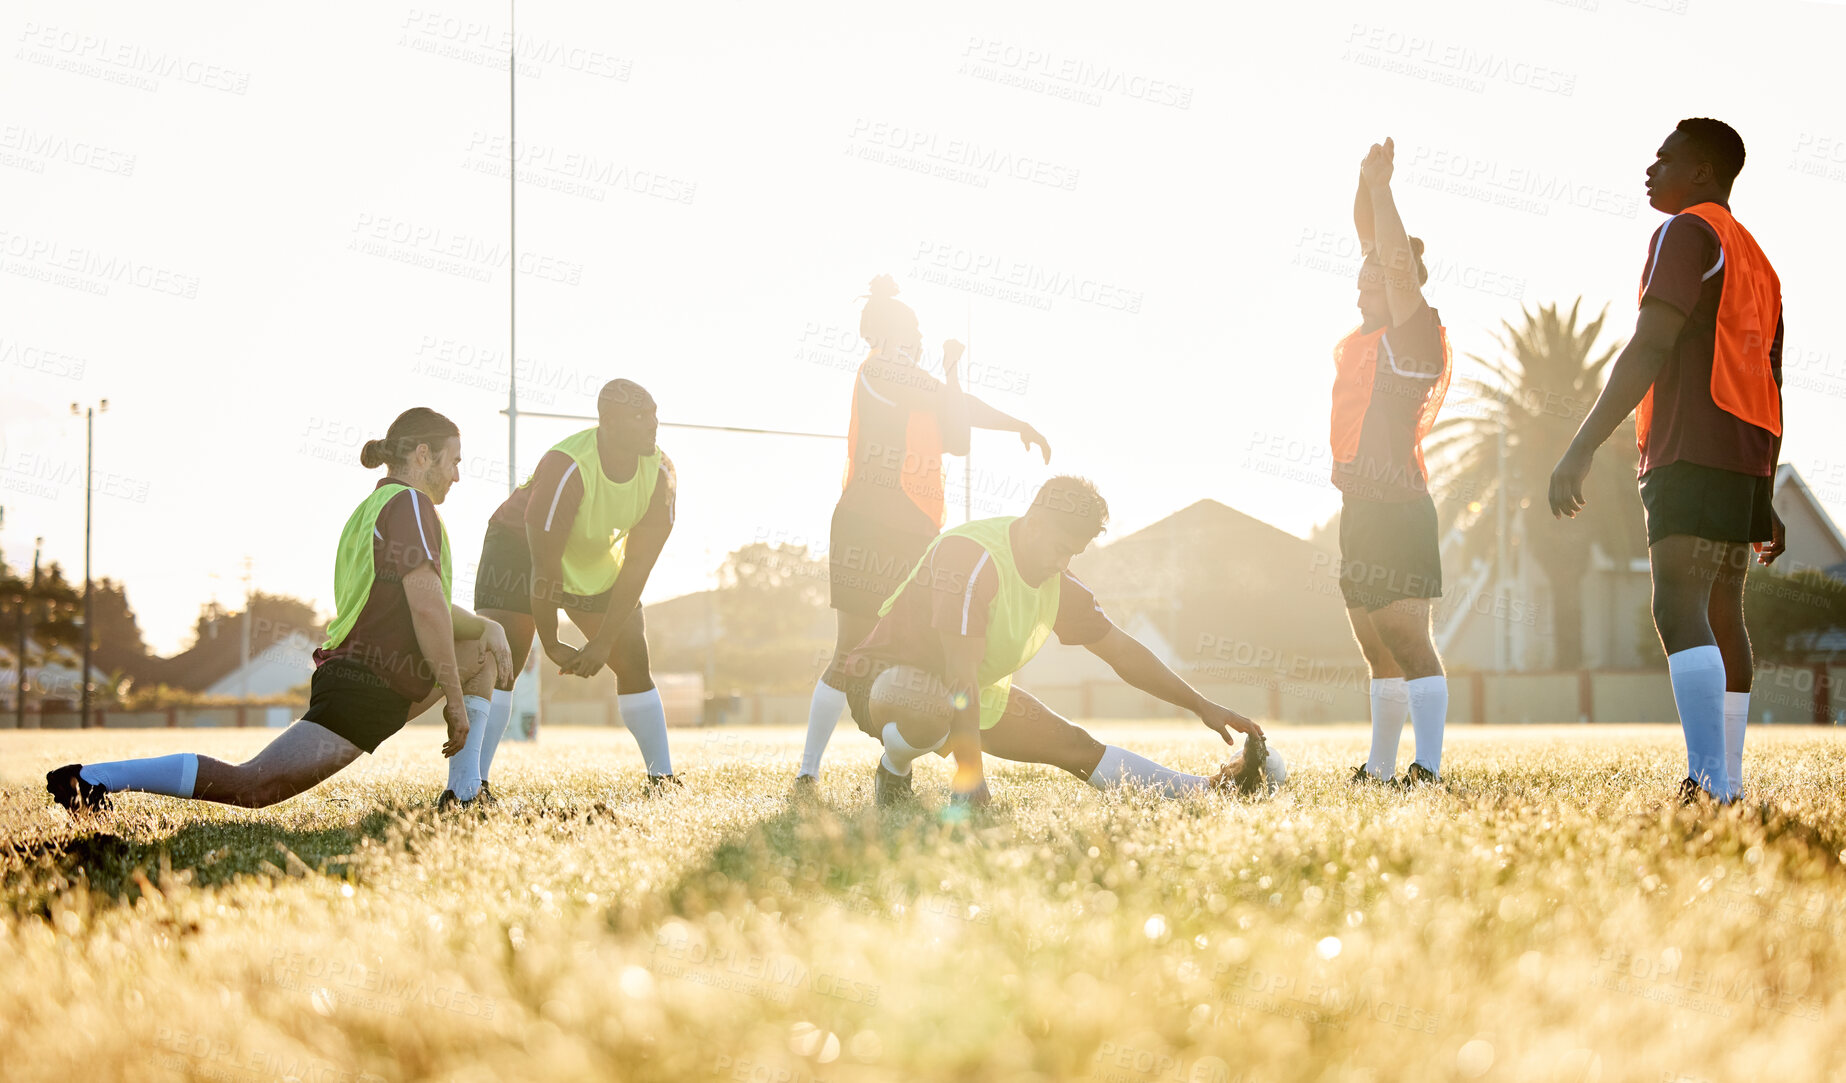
<point>1391,376</point>
<point>1703,377</point>
<point>936,671</point>
<point>903,420</point>
<point>582,535</point>
<point>396,645</point>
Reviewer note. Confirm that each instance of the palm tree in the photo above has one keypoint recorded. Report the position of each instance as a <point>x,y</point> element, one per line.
<point>1536,394</point>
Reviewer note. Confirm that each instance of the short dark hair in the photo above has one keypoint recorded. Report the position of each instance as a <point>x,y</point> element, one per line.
<point>1074,498</point>
<point>1717,143</point>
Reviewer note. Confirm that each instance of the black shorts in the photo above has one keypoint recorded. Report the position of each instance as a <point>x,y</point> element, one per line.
<point>1388,552</point>
<point>352,701</point>
<point>871,552</point>
<point>1706,502</point>
<point>854,676</point>
<point>504,578</point>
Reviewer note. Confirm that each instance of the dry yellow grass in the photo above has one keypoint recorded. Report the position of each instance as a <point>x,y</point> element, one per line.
<point>1551,915</point>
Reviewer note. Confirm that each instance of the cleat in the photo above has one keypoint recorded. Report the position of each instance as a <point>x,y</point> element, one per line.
<point>448,802</point>
<point>1691,793</point>
<point>1419,775</point>
<point>890,789</point>
<point>1360,776</point>
<point>68,788</point>
<point>806,788</point>
<point>486,798</point>
<point>662,783</point>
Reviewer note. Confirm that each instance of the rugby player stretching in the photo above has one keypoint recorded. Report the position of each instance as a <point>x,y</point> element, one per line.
<point>1391,375</point>
<point>396,646</point>
<point>937,670</point>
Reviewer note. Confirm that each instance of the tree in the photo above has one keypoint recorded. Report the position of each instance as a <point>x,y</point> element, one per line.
<point>1537,393</point>
<point>52,612</point>
<point>119,648</point>
<point>769,601</point>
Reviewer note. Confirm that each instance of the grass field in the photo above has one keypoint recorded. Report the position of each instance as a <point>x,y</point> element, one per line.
<point>1549,916</point>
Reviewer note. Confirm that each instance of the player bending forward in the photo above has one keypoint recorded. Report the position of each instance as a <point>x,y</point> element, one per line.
<point>936,671</point>
<point>396,646</point>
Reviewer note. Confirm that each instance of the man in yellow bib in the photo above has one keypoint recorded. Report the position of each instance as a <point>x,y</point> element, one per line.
<point>936,672</point>
<point>396,646</point>
<point>582,535</point>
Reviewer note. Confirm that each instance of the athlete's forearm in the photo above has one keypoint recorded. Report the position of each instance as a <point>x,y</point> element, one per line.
<point>544,590</point>
<point>1633,373</point>
<point>983,416</point>
<point>1362,217</point>
<point>953,419</point>
<point>626,594</point>
<point>435,631</point>
<point>960,672</point>
<point>1389,237</point>
<point>1144,670</point>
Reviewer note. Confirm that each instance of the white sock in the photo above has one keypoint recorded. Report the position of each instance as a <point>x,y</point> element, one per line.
<point>465,766</point>
<point>1118,766</point>
<point>899,753</point>
<point>646,718</point>
<point>170,775</point>
<point>1698,692</point>
<point>1429,712</point>
<point>1390,707</point>
<point>499,712</point>
<point>823,717</point>
<point>1736,717</point>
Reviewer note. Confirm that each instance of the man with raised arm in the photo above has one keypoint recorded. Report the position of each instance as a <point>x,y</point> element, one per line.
<point>1390,377</point>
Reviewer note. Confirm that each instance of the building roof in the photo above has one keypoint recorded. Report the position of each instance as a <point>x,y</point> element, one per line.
<point>1221,585</point>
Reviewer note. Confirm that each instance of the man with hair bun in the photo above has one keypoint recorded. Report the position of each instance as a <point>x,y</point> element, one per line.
<point>936,672</point>
<point>396,646</point>
<point>582,535</point>
<point>1703,377</point>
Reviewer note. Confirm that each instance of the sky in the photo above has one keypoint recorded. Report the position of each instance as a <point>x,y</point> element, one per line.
<point>260,237</point>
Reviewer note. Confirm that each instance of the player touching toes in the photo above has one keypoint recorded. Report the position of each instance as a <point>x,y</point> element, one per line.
<point>396,646</point>
<point>936,672</point>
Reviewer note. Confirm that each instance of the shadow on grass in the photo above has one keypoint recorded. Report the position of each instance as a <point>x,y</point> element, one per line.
<point>810,850</point>
<point>115,859</point>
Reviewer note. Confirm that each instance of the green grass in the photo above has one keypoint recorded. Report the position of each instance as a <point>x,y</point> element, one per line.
<point>1549,915</point>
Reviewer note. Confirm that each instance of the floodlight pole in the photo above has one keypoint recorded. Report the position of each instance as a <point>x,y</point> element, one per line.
<point>29,595</point>
<point>89,494</point>
<point>512,234</point>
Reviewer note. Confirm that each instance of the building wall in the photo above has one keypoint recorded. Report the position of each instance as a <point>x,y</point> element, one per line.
<point>1810,543</point>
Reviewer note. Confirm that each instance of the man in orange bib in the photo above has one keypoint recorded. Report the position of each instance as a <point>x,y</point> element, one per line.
<point>1703,376</point>
<point>1389,380</point>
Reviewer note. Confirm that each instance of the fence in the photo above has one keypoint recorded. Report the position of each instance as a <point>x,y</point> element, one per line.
<point>1780,694</point>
